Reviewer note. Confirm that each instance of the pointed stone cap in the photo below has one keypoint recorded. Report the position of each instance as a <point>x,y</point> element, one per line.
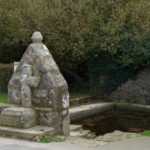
<point>37,37</point>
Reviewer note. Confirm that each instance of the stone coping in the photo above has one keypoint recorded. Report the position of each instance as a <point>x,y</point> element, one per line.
<point>29,133</point>
<point>132,107</point>
<point>42,109</point>
<point>81,98</point>
<point>35,108</point>
<point>7,105</point>
<point>83,111</point>
<point>93,109</point>
<point>89,110</point>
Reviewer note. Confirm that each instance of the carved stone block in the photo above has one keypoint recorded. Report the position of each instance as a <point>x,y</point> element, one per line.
<point>18,117</point>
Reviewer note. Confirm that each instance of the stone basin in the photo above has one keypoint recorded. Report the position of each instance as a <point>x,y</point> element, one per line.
<point>103,118</point>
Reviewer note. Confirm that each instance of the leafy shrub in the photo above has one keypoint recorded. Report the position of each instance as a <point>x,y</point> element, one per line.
<point>118,43</point>
<point>103,41</point>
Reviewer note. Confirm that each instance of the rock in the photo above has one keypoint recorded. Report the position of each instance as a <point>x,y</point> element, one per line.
<point>116,136</point>
<point>83,133</point>
<point>99,138</point>
<point>111,137</point>
<point>90,135</point>
<point>132,135</point>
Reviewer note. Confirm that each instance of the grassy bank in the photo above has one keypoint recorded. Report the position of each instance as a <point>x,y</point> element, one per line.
<point>3,97</point>
<point>146,133</point>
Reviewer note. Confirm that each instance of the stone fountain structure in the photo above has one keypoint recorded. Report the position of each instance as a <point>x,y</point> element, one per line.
<point>38,96</point>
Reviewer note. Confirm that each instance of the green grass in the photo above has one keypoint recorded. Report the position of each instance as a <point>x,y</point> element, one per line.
<point>47,139</point>
<point>3,97</point>
<point>146,133</point>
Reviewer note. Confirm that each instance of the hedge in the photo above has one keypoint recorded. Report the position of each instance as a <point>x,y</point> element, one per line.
<point>6,71</point>
<point>101,42</point>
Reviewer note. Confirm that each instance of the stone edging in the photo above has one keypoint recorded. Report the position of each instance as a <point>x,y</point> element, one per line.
<point>93,109</point>
<point>83,111</point>
<point>74,102</point>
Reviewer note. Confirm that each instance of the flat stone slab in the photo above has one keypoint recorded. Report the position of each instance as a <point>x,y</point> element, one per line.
<point>116,136</point>
<point>18,147</point>
<point>139,143</point>
<point>17,117</point>
<point>26,133</point>
<point>133,107</point>
<point>89,110</point>
<point>93,109</point>
<point>75,127</point>
<point>3,106</point>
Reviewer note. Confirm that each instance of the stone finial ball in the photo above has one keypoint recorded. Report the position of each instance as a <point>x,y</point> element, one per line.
<point>37,37</point>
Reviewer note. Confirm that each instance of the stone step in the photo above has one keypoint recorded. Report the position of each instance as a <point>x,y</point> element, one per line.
<point>18,117</point>
<point>28,134</point>
<point>75,127</point>
<point>82,133</point>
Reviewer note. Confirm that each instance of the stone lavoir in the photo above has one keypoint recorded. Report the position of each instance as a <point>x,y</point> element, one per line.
<point>103,118</point>
<point>38,96</point>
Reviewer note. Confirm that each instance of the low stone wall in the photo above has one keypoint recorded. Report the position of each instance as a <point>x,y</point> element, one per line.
<point>85,111</point>
<point>108,117</point>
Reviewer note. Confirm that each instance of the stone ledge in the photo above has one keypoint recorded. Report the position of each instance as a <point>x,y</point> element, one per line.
<point>42,109</point>
<point>17,117</point>
<point>28,134</point>
<point>2,106</point>
<point>132,107</point>
<point>81,98</point>
<point>93,109</point>
<point>74,102</point>
<point>89,110</point>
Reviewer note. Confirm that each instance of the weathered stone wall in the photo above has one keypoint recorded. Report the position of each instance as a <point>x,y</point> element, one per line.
<point>135,91</point>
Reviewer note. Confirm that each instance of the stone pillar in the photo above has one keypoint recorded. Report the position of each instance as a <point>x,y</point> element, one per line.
<point>27,81</point>
<point>37,81</point>
<point>25,89</point>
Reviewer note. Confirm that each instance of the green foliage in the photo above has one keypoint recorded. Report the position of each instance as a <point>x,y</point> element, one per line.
<point>60,23</point>
<point>3,97</point>
<point>6,71</point>
<point>118,43</point>
<point>146,133</point>
<point>98,39</point>
<point>47,139</point>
